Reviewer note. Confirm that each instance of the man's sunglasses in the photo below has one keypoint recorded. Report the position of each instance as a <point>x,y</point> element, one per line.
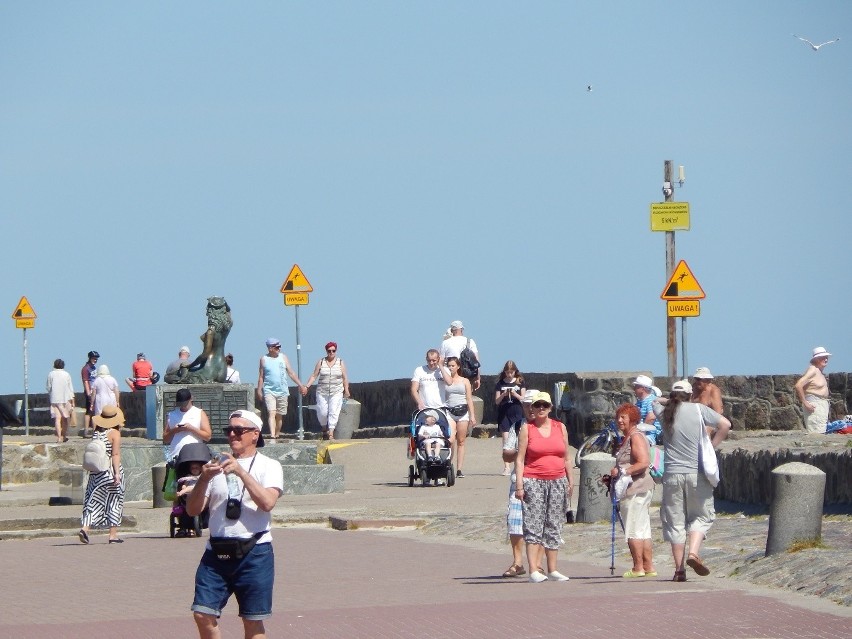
<point>540,405</point>
<point>237,430</point>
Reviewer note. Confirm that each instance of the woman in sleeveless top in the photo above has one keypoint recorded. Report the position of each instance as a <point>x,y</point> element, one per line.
<point>460,408</point>
<point>543,482</point>
<point>632,460</point>
<point>103,504</point>
<point>332,387</point>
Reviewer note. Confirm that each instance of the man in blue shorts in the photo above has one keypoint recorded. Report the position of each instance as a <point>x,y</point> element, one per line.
<point>238,558</point>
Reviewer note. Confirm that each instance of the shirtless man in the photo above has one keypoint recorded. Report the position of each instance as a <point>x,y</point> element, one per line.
<point>704,391</point>
<point>812,389</point>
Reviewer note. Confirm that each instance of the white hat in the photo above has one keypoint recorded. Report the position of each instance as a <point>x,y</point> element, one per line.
<point>643,380</point>
<point>253,419</point>
<point>656,390</point>
<point>683,386</point>
<point>528,396</point>
<point>103,370</point>
<point>702,372</point>
<point>456,324</point>
<point>819,351</point>
<point>184,349</point>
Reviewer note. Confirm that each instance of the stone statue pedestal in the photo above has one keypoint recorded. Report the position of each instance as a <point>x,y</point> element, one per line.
<point>217,400</point>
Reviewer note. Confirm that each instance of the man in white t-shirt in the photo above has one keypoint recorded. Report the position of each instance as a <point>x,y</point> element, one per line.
<point>428,389</point>
<point>455,344</point>
<point>246,519</point>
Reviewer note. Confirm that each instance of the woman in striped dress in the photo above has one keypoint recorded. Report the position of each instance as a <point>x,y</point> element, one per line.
<point>332,386</point>
<point>104,501</point>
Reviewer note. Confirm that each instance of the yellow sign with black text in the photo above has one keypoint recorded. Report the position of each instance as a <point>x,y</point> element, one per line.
<point>670,216</point>
<point>295,299</point>
<point>683,308</point>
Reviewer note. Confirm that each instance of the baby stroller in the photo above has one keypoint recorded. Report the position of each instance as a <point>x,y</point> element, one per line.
<point>180,523</point>
<point>426,468</point>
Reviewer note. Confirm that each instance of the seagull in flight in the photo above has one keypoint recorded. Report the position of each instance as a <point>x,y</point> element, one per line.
<point>589,88</point>
<point>813,46</point>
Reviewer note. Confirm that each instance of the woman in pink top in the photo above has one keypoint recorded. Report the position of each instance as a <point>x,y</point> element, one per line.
<point>544,485</point>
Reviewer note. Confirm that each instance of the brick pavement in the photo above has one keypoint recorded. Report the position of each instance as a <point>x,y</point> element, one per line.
<point>376,584</point>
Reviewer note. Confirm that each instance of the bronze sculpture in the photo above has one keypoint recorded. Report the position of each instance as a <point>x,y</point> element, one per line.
<point>209,367</point>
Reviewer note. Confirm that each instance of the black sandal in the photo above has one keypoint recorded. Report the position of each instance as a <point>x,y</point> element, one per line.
<point>84,538</point>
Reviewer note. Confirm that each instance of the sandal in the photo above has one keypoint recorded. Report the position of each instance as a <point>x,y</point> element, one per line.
<point>680,575</point>
<point>694,562</point>
<point>84,538</point>
<point>515,571</point>
<point>630,574</point>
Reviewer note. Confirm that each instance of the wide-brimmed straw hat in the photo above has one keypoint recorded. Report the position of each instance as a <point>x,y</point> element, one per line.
<point>110,417</point>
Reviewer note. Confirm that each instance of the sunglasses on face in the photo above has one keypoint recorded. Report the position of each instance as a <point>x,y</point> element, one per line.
<point>236,430</point>
<point>540,405</point>
<point>331,350</point>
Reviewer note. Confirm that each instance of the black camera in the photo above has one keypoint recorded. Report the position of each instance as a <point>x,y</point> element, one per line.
<point>234,508</point>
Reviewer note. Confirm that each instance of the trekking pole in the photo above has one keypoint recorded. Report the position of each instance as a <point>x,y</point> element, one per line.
<point>614,512</point>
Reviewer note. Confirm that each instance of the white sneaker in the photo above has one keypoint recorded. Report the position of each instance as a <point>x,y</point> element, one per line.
<point>537,577</point>
<point>556,576</point>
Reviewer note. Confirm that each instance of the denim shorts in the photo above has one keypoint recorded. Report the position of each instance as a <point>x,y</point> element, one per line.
<point>250,580</point>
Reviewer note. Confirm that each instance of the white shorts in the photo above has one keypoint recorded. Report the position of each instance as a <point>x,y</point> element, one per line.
<point>636,514</point>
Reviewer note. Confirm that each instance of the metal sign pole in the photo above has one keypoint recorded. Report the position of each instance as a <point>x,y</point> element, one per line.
<point>301,432</point>
<point>683,345</point>
<point>26,389</point>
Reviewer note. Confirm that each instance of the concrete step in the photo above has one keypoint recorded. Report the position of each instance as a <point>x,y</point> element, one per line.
<point>35,527</point>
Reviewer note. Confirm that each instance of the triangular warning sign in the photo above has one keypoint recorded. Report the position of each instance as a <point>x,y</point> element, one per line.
<point>23,310</point>
<point>682,285</point>
<point>296,282</point>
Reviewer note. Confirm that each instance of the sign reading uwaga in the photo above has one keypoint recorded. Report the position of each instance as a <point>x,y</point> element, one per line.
<point>24,314</point>
<point>296,288</point>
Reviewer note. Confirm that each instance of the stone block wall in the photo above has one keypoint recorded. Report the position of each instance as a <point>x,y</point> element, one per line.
<point>752,402</point>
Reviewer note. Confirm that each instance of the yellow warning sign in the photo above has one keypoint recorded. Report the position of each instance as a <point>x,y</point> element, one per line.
<point>24,310</point>
<point>683,308</point>
<point>295,299</point>
<point>27,322</point>
<point>296,282</point>
<point>682,285</point>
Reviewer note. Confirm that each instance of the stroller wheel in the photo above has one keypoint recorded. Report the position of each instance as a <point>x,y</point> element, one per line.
<point>172,526</point>
<point>410,475</point>
<point>197,526</point>
<point>451,476</point>
<point>424,475</point>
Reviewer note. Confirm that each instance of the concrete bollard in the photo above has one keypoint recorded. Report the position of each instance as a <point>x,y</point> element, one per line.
<point>795,514</point>
<point>594,504</point>
<point>158,476</point>
<point>349,420</point>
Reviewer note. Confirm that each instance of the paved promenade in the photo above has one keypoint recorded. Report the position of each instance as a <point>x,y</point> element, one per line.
<point>441,580</point>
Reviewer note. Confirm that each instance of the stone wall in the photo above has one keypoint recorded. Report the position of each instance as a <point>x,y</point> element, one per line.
<point>758,402</point>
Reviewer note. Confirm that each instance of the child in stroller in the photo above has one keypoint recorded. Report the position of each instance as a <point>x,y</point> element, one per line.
<point>188,465</point>
<point>429,447</point>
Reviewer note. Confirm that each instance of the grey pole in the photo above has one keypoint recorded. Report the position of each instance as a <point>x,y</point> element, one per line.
<point>301,432</point>
<point>683,345</point>
<point>26,389</point>
<point>671,327</point>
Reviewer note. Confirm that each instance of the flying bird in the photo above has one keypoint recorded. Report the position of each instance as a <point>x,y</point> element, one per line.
<point>813,46</point>
<point>589,88</point>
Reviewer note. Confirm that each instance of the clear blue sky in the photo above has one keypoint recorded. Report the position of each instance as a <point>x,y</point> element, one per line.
<point>424,162</point>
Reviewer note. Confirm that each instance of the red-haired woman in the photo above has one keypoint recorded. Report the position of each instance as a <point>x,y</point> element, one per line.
<point>632,461</point>
<point>332,386</point>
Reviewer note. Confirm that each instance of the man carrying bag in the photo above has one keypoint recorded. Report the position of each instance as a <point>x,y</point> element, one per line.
<point>240,490</point>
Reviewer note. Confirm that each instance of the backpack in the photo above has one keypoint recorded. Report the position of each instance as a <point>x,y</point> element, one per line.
<point>468,363</point>
<point>95,458</point>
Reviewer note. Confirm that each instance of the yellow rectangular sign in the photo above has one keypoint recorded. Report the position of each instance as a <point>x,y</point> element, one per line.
<point>27,322</point>
<point>670,216</point>
<point>295,299</point>
<point>683,308</point>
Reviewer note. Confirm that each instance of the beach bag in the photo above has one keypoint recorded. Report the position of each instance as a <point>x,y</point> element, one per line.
<point>658,463</point>
<point>706,455</point>
<point>95,457</point>
<point>170,483</point>
<point>468,364</point>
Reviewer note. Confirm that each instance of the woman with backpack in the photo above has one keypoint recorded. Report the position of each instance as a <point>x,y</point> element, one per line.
<point>103,504</point>
<point>332,387</point>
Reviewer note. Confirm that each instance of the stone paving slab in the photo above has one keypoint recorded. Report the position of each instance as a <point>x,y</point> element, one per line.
<point>376,584</point>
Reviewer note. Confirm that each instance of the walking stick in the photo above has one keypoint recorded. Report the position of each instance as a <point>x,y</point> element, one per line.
<point>611,492</point>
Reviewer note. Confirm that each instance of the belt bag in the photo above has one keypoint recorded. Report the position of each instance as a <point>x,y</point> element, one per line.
<point>459,410</point>
<point>233,548</point>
